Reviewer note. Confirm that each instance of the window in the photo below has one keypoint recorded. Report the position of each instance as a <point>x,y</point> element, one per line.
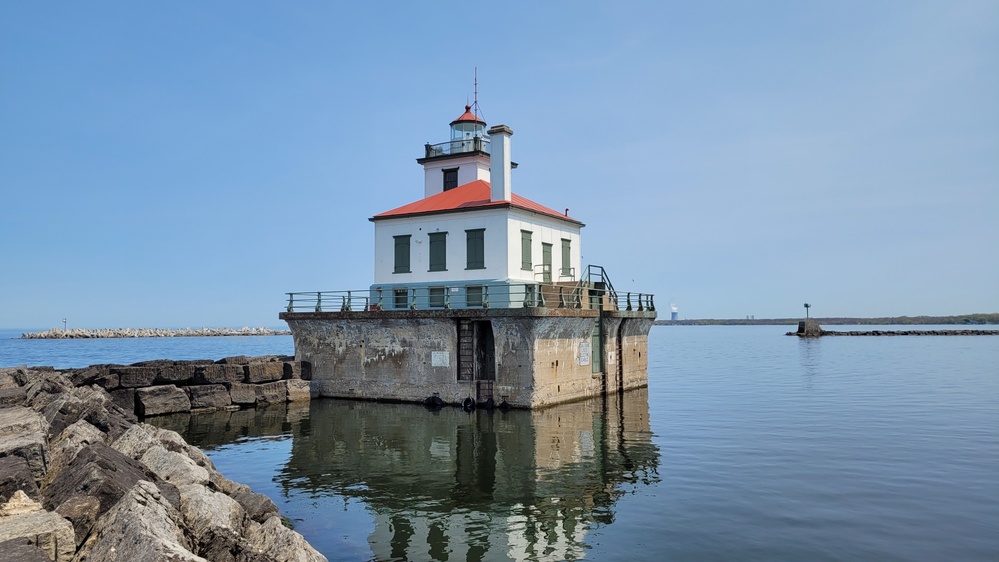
<point>475,248</point>
<point>473,296</point>
<point>437,297</point>
<point>400,298</point>
<point>525,250</point>
<point>566,258</point>
<point>450,178</point>
<point>401,254</point>
<point>546,261</point>
<point>438,251</point>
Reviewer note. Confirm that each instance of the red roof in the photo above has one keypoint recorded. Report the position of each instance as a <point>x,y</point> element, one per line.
<point>470,196</point>
<point>468,116</point>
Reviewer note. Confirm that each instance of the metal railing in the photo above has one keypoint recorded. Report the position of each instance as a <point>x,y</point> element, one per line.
<point>500,295</point>
<point>457,146</point>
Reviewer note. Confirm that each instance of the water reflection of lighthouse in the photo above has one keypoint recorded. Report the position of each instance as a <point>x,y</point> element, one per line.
<point>482,486</point>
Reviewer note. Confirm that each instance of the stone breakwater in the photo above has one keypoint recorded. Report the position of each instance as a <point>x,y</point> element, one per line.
<point>811,329</point>
<point>152,388</point>
<point>81,479</point>
<point>79,333</point>
<point>913,333</point>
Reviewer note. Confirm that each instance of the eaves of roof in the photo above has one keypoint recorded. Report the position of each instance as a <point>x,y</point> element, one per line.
<point>472,196</point>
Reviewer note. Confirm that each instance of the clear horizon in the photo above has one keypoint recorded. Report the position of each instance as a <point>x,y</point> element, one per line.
<point>182,165</point>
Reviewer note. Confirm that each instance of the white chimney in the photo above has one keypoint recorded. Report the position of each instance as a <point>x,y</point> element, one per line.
<point>499,163</point>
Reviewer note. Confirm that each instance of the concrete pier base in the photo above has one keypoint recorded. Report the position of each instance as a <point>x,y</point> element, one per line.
<point>524,357</point>
<point>809,329</point>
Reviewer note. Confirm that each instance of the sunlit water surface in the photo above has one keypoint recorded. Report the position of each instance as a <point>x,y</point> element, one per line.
<point>747,445</point>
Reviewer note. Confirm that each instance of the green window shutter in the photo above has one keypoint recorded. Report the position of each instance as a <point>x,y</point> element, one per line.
<point>437,297</point>
<point>401,254</point>
<point>566,257</point>
<point>475,248</point>
<point>438,251</point>
<point>546,261</point>
<point>473,296</point>
<point>526,261</point>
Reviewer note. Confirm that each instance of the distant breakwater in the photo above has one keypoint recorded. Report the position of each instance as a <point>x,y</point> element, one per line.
<point>909,333</point>
<point>811,329</point>
<point>80,333</point>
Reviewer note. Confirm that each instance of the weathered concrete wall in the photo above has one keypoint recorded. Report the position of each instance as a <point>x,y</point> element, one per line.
<point>381,358</point>
<point>539,356</point>
<point>514,348</point>
<point>560,373</point>
<point>635,351</point>
<point>393,359</point>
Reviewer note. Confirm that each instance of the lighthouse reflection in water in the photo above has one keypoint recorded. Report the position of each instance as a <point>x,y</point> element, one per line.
<point>447,484</point>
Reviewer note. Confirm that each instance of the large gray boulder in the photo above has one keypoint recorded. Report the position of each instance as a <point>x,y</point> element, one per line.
<point>278,543</point>
<point>271,392</point>
<point>173,467</point>
<point>16,475</point>
<point>135,377</point>
<point>242,394</point>
<point>157,400</point>
<point>12,396</point>
<point>208,396</point>
<point>22,434</point>
<point>23,519</point>
<point>22,550</point>
<point>175,374</point>
<point>216,523</point>
<point>258,507</point>
<point>101,472</point>
<point>143,526</point>
<point>218,374</point>
<point>64,448</point>
<point>81,512</point>
<point>264,372</point>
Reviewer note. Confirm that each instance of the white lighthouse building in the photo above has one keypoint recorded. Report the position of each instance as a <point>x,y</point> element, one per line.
<point>479,296</point>
<point>470,240</point>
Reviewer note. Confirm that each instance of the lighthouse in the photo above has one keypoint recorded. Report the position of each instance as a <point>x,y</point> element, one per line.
<point>478,296</point>
<point>470,238</point>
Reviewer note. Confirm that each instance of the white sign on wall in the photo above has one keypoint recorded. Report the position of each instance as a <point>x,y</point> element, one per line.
<point>440,358</point>
<point>584,353</point>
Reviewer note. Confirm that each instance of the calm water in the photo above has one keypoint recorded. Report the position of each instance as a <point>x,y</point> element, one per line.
<point>746,445</point>
<point>68,354</point>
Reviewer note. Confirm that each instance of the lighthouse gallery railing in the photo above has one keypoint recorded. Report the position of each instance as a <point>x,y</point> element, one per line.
<point>461,296</point>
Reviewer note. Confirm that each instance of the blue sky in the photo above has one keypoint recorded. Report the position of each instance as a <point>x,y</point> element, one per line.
<point>186,164</point>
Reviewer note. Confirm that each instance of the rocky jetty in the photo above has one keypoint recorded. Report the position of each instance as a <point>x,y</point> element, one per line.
<point>912,333</point>
<point>81,479</point>
<point>163,386</point>
<point>79,333</point>
<point>811,329</point>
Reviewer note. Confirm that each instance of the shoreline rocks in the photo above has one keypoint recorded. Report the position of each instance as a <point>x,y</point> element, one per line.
<point>163,386</point>
<point>81,479</point>
<point>80,333</point>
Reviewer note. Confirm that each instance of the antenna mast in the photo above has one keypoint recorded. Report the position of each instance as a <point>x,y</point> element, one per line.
<point>475,90</point>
